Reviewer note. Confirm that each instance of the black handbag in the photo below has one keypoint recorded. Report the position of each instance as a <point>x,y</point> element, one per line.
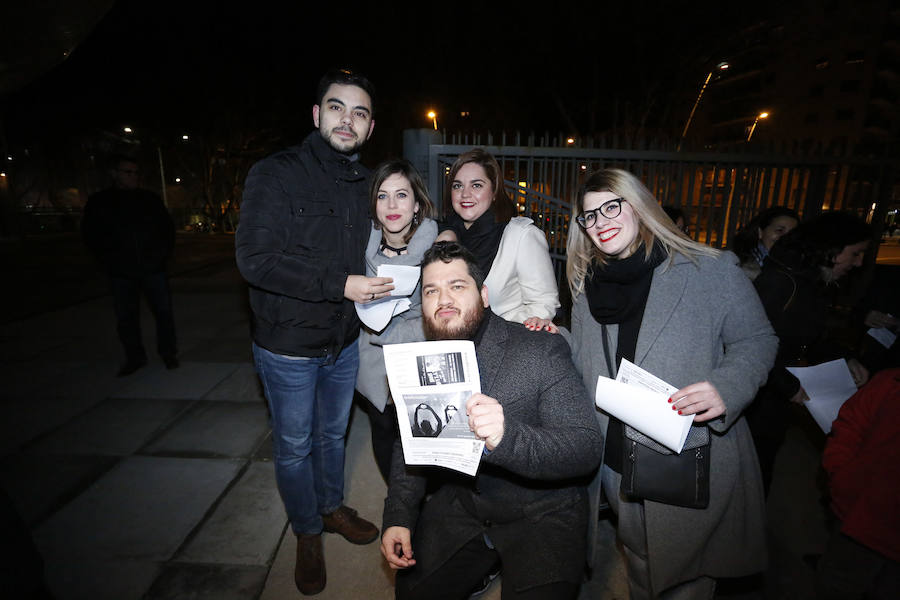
<point>653,472</point>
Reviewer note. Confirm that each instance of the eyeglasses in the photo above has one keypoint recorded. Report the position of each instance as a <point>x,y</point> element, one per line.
<point>609,209</point>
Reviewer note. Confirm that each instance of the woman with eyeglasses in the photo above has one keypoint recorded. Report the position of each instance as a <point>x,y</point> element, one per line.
<point>510,249</point>
<point>402,231</point>
<point>645,292</point>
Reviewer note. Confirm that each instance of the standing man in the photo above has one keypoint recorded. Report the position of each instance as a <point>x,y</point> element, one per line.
<point>527,508</point>
<point>132,234</point>
<point>301,245</point>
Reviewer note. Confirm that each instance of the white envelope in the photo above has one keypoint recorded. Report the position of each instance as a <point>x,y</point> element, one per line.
<point>643,404</point>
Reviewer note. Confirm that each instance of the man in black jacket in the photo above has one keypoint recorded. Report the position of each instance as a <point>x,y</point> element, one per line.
<point>527,507</point>
<point>300,245</point>
<point>132,235</point>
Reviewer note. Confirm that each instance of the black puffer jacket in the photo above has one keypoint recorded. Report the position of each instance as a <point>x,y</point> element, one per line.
<point>303,230</point>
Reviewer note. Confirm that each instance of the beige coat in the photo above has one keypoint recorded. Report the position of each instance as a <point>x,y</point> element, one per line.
<point>521,283</point>
<point>702,322</point>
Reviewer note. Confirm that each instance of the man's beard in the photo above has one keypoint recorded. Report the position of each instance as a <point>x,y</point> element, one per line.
<point>334,141</point>
<point>465,331</point>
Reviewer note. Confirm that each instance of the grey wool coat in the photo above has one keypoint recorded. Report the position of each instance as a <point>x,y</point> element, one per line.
<point>702,322</point>
<point>371,379</point>
<point>529,495</point>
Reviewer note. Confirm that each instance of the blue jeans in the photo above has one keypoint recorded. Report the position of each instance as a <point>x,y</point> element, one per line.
<point>309,402</point>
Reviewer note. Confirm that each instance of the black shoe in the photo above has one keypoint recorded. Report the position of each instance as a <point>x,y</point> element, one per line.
<point>131,366</point>
<point>171,362</point>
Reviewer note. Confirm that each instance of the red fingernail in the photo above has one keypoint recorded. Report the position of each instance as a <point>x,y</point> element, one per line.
<point>670,401</point>
<point>674,408</point>
<point>679,412</point>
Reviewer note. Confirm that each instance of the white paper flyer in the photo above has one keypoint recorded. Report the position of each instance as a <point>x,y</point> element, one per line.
<point>828,386</point>
<point>640,399</point>
<point>376,315</point>
<point>430,383</point>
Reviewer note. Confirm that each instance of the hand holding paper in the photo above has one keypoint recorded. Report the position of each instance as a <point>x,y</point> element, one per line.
<point>486,419</point>
<point>699,399</point>
<point>639,399</point>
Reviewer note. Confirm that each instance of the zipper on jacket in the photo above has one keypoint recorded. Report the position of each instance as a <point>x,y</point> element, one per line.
<point>699,456</point>
<point>631,457</point>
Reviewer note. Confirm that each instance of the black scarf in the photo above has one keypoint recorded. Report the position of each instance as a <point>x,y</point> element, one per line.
<point>617,294</point>
<point>482,238</point>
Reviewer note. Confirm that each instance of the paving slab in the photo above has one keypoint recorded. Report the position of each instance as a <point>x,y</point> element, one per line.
<point>190,380</point>
<point>213,429</point>
<point>21,349</point>
<point>78,579</point>
<point>25,419</point>
<point>38,484</point>
<point>242,385</point>
<point>208,582</point>
<point>245,527</point>
<point>142,509</point>
<point>64,378</point>
<point>216,350</point>
<point>116,426</point>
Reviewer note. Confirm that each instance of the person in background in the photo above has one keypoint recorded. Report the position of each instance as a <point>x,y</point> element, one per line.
<point>862,460</point>
<point>799,274</point>
<point>645,292</point>
<point>400,235</point>
<point>510,249</point>
<point>754,241</point>
<point>131,233</point>
<point>677,216</point>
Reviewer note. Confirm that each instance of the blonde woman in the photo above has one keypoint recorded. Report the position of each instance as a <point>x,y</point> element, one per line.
<point>645,292</point>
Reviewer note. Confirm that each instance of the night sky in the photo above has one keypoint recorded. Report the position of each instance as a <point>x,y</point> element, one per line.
<point>189,65</point>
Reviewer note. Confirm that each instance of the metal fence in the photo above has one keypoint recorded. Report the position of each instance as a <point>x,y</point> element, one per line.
<point>719,193</point>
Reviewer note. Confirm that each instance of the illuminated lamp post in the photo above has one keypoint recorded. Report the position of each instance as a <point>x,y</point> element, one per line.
<point>722,66</point>
<point>762,115</point>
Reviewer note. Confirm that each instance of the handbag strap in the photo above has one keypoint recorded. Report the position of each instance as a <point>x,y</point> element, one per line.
<point>606,349</point>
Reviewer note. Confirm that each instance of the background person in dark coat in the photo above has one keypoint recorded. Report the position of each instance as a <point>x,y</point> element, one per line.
<point>528,503</point>
<point>132,234</point>
<point>799,274</point>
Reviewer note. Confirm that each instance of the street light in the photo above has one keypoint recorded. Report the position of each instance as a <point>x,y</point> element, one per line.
<point>762,115</point>
<point>433,116</point>
<point>722,66</point>
<point>127,130</point>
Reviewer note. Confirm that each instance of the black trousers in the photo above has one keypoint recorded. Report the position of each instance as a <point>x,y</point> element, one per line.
<point>465,572</point>
<point>127,293</point>
<point>385,432</point>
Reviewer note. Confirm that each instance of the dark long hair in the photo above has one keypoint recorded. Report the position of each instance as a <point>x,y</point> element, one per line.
<point>818,241</point>
<point>504,208</point>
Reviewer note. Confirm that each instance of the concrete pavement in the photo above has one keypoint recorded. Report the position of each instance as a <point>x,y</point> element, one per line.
<point>160,485</point>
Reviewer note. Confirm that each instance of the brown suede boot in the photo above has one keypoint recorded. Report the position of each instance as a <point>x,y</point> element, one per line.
<point>309,572</point>
<point>355,530</point>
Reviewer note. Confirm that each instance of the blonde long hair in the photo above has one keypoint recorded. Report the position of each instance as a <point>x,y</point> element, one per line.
<point>653,224</point>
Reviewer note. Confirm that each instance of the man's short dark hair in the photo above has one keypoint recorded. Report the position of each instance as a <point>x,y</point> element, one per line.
<point>345,77</point>
<point>449,251</point>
